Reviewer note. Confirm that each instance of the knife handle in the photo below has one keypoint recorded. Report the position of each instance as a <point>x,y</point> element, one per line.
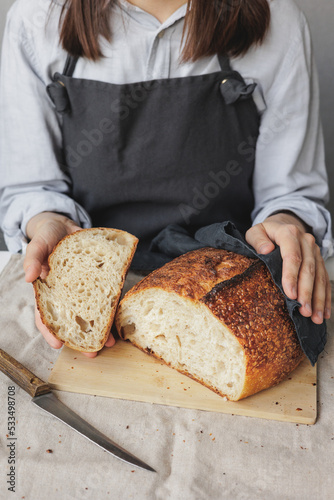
<point>22,376</point>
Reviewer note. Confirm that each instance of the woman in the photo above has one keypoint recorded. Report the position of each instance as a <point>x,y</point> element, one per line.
<point>166,113</point>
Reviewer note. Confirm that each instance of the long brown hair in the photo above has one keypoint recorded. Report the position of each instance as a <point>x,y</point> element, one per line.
<point>211,26</point>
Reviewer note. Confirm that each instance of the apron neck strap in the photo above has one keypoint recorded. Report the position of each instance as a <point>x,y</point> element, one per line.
<point>224,62</point>
<point>70,65</point>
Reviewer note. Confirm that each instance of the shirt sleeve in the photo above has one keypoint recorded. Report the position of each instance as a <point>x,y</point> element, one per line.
<point>32,179</point>
<point>290,172</point>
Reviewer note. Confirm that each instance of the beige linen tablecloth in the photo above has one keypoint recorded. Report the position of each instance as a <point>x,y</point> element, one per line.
<point>197,454</point>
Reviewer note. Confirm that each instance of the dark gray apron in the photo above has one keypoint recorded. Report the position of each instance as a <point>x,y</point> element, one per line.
<point>169,160</point>
<point>145,155</point>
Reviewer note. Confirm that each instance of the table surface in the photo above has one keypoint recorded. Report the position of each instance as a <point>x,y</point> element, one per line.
<point>197,454</point>
<point>4,259</point>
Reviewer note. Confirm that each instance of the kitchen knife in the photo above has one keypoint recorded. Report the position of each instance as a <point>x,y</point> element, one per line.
<point>45,399</point>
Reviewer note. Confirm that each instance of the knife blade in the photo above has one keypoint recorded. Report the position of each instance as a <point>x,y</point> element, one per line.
<point>43,397</point>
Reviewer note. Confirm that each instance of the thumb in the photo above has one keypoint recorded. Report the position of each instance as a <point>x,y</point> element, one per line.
<point>72,228</point>
<point>257,237</point>
<point>41,245</point>
<point>36,254</point>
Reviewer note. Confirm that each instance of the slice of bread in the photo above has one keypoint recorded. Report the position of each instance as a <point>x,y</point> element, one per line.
<point>217,317</point>
<point>77,300</point>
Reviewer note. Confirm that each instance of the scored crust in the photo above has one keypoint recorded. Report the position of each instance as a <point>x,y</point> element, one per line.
<point>254,309</point>
<point>131,244</point>
<point>195,273</point>
<point>241,294</point>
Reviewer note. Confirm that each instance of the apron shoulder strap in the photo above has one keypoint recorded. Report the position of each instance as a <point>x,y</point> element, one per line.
<point>70,64</point>
<point>233,87</point>
<point>57,90</point>
<point>224,62</point>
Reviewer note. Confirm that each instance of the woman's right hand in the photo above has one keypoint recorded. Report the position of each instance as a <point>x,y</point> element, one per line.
<point>44,231</point>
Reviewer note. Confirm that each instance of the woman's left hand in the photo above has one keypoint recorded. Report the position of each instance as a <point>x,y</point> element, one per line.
<point>304,274</point>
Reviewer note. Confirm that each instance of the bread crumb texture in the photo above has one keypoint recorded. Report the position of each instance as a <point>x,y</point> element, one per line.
<point>217,317</point>
<point>78,298</point>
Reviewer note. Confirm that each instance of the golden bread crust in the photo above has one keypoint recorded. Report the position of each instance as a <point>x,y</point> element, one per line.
<point>254,310</point>
<point>240,292</point>
<point>195,273</point>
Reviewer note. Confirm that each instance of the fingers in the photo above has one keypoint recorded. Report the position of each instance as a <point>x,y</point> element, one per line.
<point>46,236</point>
<point>328,301</point>
<point>307,275</point>
<point>90,354</point>
<point>321,292</point>
<point>32,271</point>
<point>304,275</point>
<point>259,239</point>
<point>36,255</point>
<point>288,238</point>
<point>110,342</point>
<point>304,268</point>
<point>291,252</point>
<point>263,238</point>
<point>73,228</point>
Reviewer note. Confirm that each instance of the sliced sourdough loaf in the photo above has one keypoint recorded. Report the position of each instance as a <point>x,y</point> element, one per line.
<point>78,299</point>
<point>217,317</point>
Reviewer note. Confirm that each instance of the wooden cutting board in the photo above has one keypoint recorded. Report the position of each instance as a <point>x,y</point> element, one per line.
<point>124,372</point>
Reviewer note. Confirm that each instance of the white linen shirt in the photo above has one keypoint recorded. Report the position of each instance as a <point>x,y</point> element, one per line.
<point>289,173</point>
